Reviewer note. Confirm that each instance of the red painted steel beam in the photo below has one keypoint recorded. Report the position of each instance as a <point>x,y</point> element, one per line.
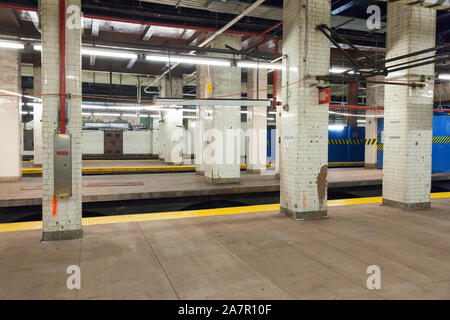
<point>62,66</point>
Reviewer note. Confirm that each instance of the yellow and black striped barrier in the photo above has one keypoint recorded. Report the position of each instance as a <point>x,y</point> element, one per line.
<point>436,140</point>
<point>441,139</point>
<point>371,142</point>
<point>345,141</point>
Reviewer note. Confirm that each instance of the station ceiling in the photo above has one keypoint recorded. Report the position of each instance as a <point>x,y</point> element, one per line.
<point>132,23</point>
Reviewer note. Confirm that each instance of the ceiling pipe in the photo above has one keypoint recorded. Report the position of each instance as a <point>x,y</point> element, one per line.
<point>211,38</point>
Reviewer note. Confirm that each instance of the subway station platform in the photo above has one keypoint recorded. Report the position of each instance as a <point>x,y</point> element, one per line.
<point>103,188</point>
<point>240,253</point>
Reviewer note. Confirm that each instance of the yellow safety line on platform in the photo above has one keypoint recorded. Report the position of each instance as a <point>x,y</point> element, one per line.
<point>37,225</point>
<point>169,168</point>
<point>107,160</point>
<point>345,164</point>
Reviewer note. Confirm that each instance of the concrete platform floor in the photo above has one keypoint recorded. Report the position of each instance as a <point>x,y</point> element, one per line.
<point>27,192</point>
<point>242,256</point>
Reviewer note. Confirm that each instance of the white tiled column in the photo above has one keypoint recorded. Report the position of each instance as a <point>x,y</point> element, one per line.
<point>162,137</point>
<point>155,136</point>
<point>202,81</point>
<point>10,118</point>
<point>375,98</point>
<point>257,121</point>
<point>304,134</point>
<point>61,217</point>
<point>223,123</point>
<point>173,123</point>
<point>279,111</point>
<point>408,125</point>
<point>37,118</point>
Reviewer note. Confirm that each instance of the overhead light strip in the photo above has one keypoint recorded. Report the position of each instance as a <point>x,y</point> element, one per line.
<point>101,53</point>
<point>178,59</point>
<point>189,60</point>
<point>11,45</point>
<point>259,65</point>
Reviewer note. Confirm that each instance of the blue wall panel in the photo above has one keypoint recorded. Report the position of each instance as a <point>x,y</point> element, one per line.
<point>440,151</point>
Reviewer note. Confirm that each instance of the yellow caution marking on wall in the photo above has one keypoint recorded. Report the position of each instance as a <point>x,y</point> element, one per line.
<point>371,142</point>
<point>441,139</point>
<point>345,141</point>
<point>37,225</point>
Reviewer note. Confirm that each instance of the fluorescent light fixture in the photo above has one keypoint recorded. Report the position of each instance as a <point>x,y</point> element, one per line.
<point>89,106</point>
<point>24,112</point>
<point>11,45</point>
<point>335,127</point>
<point>444,76</point>
<point>189,117</point>
<point>189,60</point>
<point>340,70</point>
<point>130,115</point>
<point>260,65</point>
<point>272,112</point>
<point>108,53</point>
<point>107,114</point>
<point>100,52</point>
<point>155,116</point>
<point>86,114</point>
<point>270,119</point>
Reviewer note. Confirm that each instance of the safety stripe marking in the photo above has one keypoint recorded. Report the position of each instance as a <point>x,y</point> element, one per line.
<point>345,141</point>
<point>441,139</point>
<point>371,142</point>
<point>134,169</point>
<point>37,225</point>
